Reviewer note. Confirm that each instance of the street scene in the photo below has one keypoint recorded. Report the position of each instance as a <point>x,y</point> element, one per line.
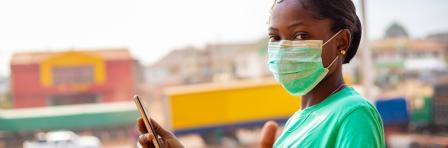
<point>69,71</point>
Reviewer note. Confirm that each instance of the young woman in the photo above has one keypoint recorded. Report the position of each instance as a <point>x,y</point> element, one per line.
<point>309,42</point>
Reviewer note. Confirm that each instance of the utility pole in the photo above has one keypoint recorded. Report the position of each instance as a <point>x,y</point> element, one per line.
<point>366,54</point>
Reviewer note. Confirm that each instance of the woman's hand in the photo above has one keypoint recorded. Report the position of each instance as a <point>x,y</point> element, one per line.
<point>168,140</point>
<point>268,134</point>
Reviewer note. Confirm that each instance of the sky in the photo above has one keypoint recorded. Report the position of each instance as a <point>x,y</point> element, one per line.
<point>151,28</point>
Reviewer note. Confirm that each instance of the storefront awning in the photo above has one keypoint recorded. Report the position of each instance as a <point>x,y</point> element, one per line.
<point>68,117</point>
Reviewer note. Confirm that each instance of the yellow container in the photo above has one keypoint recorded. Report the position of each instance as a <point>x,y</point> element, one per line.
<point>230,103</point>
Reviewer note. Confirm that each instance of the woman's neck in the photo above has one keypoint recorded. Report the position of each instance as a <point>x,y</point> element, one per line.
<point>325,88</point>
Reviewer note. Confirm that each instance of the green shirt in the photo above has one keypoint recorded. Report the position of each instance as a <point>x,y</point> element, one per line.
<point>344,119</point>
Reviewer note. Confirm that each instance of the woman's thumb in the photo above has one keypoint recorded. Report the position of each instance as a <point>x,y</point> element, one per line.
<point>268,134</point>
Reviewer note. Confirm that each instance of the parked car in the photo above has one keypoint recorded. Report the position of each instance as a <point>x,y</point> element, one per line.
<point>63,139</point>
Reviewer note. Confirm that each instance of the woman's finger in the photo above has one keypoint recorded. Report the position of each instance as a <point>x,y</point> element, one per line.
<point>161,131</point>
<point>141,126</point>
<point>161,141</point>
<point>268,134</point>
<point>145,140</point>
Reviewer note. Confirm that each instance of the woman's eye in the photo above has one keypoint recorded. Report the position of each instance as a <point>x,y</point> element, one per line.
<point>273,38</point>
<point>301,36</point>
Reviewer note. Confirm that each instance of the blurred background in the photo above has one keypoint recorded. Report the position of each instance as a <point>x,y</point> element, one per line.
<point>69,69</point>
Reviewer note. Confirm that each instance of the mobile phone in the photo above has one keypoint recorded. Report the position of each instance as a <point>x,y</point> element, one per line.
<point>144,113</point>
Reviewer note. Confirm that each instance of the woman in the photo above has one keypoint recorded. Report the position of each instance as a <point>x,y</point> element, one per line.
<point>309,42</point>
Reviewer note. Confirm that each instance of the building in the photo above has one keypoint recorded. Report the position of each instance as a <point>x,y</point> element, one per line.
<point>401,58</point>
<point>238,60</point>
<point>41,79</point>
<point>181,66</point>
<point>439,37</point>
<point>84,91</point>
<point>214,62</point>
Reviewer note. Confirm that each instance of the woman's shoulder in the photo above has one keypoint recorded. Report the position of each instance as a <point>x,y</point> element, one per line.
<point>349,100</point>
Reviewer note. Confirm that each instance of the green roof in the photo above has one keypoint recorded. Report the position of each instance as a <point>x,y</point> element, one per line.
<point>68,117</point>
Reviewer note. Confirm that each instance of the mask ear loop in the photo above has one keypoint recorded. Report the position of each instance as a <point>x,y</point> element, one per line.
<point>335,35</point>
<point>337,56</point>
<point>331,64</point>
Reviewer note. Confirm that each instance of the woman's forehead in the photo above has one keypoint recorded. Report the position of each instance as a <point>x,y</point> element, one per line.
<point>289,12</point>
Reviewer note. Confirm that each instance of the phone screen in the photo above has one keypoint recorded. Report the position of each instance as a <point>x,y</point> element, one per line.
<point>144,112</point>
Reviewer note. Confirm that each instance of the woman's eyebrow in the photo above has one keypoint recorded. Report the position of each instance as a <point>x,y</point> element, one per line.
<point>273,29</point>
<point>295,24</point>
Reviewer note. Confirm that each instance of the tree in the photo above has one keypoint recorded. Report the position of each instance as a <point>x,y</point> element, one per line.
<point>396,30</point>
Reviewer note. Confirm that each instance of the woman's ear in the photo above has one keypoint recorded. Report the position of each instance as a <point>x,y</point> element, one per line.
<point>344,41</point>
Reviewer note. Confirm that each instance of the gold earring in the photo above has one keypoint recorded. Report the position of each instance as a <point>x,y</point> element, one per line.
<point>343,52</point>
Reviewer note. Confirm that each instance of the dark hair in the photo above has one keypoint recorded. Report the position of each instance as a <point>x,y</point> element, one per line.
<point>343,14</point>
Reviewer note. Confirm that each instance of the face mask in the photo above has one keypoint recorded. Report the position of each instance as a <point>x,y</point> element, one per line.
<point>297,65</point>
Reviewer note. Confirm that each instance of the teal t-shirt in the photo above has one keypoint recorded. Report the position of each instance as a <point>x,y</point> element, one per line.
<point>344,119</point>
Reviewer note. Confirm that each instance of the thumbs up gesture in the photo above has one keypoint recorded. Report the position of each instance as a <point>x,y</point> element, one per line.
<point>268,134</point>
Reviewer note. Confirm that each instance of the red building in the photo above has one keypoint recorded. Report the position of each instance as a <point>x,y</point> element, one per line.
<point>72,77</point>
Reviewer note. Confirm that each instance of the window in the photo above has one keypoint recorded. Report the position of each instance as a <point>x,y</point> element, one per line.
<point>73,75</point>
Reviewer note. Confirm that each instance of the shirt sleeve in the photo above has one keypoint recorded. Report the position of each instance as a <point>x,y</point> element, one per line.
<point>361,128</point>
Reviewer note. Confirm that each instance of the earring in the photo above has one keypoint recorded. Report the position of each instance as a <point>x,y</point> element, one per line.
<point>343,52</point>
